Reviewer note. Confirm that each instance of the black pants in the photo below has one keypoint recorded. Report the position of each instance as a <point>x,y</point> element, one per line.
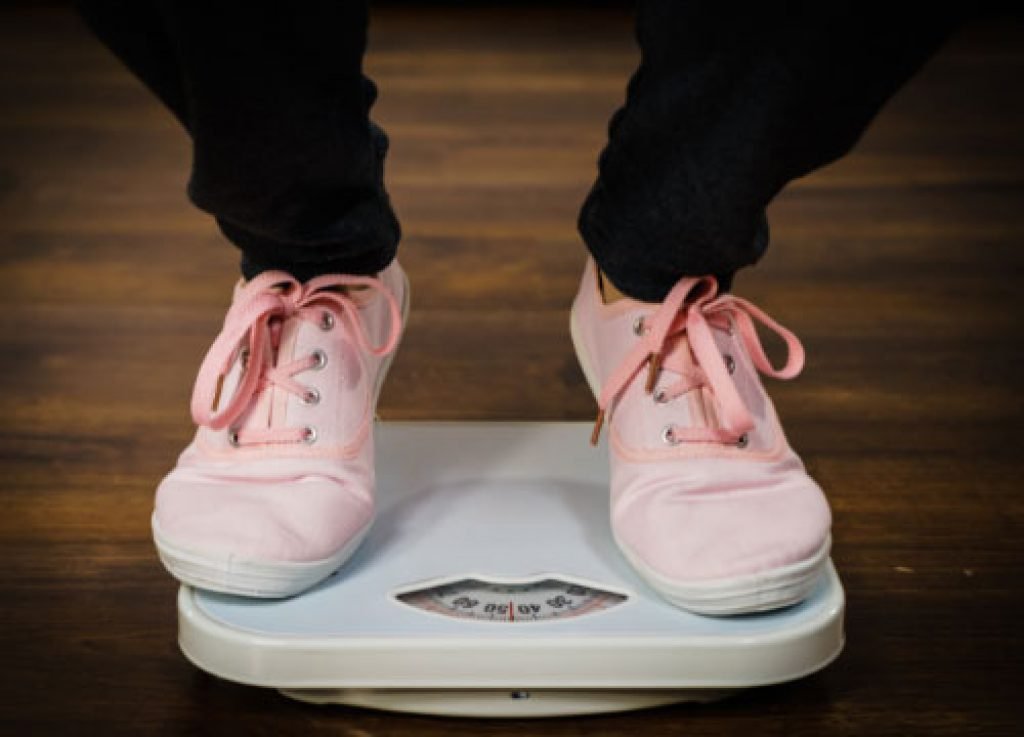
<point>729,104</point>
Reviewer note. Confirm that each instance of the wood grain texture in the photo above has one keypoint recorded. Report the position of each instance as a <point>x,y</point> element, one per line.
<point>900,268</point>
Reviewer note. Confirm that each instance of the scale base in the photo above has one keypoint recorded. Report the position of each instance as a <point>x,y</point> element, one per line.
<point>504,703</point>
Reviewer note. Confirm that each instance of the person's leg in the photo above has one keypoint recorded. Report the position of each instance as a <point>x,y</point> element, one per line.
<point>728,105</point>
<point>276,490</point>
<point>708,501</point>
<point>273,95</point>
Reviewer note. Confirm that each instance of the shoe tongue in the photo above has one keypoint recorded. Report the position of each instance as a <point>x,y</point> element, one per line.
<point>276,398</point>
<point>268,407</point>
<point>677,356</point>
<point>696,407</point>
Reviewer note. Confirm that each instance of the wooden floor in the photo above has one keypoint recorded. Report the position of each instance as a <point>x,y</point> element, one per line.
<point>901,269</point>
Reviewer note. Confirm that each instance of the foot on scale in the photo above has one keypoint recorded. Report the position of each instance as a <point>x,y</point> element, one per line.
<point>709,504</point>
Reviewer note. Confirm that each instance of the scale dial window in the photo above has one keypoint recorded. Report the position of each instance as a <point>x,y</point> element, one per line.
<point>492,601</point>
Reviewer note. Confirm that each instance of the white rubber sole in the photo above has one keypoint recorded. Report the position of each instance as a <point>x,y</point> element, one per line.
<point>230,574</point>
<point>746,594</point>
<point>263,579</point>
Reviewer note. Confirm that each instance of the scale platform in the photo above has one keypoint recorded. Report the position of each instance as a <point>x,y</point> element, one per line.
<point>490,586</point>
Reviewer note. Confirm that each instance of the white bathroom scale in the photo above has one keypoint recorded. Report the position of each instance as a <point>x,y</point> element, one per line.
<point>490,586</point>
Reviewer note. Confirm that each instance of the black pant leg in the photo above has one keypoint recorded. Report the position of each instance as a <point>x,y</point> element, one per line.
<point>273,94</point>
<point>731,102</point>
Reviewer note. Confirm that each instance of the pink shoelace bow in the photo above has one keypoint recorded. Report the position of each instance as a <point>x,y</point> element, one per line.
<point>701,364</point>
<point>264,304</point>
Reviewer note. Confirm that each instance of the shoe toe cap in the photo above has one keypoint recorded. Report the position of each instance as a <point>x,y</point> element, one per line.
<point>688,536</point>
<point>294,520</point>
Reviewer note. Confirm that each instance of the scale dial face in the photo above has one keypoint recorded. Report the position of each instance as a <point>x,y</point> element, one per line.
<point>493,601</point>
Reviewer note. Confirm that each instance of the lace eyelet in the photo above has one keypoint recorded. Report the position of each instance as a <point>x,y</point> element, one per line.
<point>321,360</point>
<point>326,321</point>
<point>743,441</point>
<point>730,363</point>
<point>243,358</point>
<point>311,396</point>
<point>309,435</point>
<point>660,397</point>
<point>668,436</point>
<point>233,438</point>
<point>639,327</point>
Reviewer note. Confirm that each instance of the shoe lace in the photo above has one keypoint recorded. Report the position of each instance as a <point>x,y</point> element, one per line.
<point>693,310</point>
<point>258,315</point>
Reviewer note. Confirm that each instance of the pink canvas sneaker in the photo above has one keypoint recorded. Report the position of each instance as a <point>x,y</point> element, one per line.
<point>708,501</point>
<point>276,490</point>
